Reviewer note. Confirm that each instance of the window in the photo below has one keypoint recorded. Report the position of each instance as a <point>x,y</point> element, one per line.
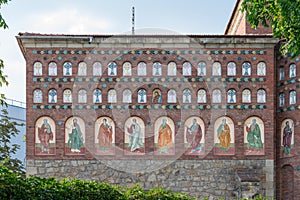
<point>292,70</point>
<point>216,69</point>
<point>187,69</point>
<point>231,69</point>
<point>172,69</point>
<point>52,96</point>
<point>201,71</point>
<point>52,69</point>
<point>246,69</point>
<point>97,96</point>
<point>216,96</point>
<point>187,96</point>
<point>82,69</point>
<point>171,96</point>
<point>97,69</point>
<point>37,96</point>
<point>112,96</point>
<point>127,96</point>
<point>67,69</point>
<point>281,99</point>
<point>261,96</point>
<point>82,96</point>
<point>156,96</point>
<point>37,69</point>
<point>157,69</point>
<point>142,69</point>
<point>142,96</point>
<point>293,97</point>
<point>261,69</point>
<point>127,69</point>
<point>246,96</point>
<point>112,69</point>
<point>281,73</point>
<point>67,96</point>
<point>231,96</point>
<point>201,96</point>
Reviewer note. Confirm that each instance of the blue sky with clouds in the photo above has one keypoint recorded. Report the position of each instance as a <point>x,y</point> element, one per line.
<point>101,17</point>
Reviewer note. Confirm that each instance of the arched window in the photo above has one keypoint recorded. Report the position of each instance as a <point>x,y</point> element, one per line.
<point>261,96</point>
<point>201,70</point>
<point>52,69</point>
<point>52,96</point>
<point>112,96</point>
<point>127,96</point>
<point>67,96</point>
<point>82,69</point>
<point>281,99</point>
<point>172,96</point>
<point>142,96</point>
<point>82,96</point>
<point>186,69</point>
<point>67,69</point>
<point>37,69</point>
<point>293,96</point>
<point>216,69</point>
<point>201,96</point>
<point>246,69</point>
<point>97,69</point>
<point>172,69</point>
<point>112,69</point>
<point>156,96</point>
<point>231,96</point>
<point>293,71</point>
<point>246,96</point>
<point>37,96</point>
<point>97,96</point>
<point>142,69</point>
<point>231,69</point>
<point>187,96</point>
<point>127,69</point>
<point>216,96</point>
<point>281,73</point>
<point>157,69</point>
<point>261,69</point>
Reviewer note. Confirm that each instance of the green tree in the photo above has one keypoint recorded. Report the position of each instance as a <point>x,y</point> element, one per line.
<point>282,15</point>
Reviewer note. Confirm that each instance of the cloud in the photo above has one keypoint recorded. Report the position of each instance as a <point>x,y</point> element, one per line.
<point>70,21</point>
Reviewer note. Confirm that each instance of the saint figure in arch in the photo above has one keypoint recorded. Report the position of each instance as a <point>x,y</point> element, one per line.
<point>136,136</point>
<point>194,136</point>
<point>224,134</point>
<point>164,137</point>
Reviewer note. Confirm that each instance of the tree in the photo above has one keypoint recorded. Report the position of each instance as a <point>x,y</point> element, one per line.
<point>282,15</point>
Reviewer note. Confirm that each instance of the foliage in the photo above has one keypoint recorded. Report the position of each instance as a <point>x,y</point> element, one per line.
<point>2,21</point>
<point>282,15</point>
<point>8,129</point>
<point>14,186</point>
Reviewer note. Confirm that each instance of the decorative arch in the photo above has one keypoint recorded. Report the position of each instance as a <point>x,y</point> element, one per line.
<point>105,136</point>
<point>216,69</point>
<point>127,96</point>
<point>142,96</point>
<point>293,70</point>
<point>112,96</point>
<point>261,96</point>
<point>172,97</point>
<point>224,136</point>
<point>293,97</point>
<point>45,136</point>
<point>67,69</point>
<point>142,69</point>
<point>37,96</point>
<point>75,136</point>
<point>67,96</point>
<point>52,69</point>
<point>157,69</point>
<point>187,96</point>
<point>127,69</point>
<point>172,69</point>
<point>97,96</point>
<point>246,69</point>
<point>186,69</point>
<point>246,96</point>
<point>156,96</point>
<point>164,136</point>
<point>216,96</point>
<point>82,69</point>
<point>112,69</point>
<point>82,96</point>
<point>231,96</point>
<point>231,69</point>
<point>261,69</point>
<point>134,136</point>
<point>194,136</point>
<point>52,96</point>
<point>287,136</point>
<point>97,69</point>
<point>37,69</point>
<point>201,96</point>
<point>201,69</point>
<point>254,136</point>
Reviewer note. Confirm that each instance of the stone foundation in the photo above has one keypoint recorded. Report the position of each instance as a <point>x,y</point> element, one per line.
<point>199,178</point>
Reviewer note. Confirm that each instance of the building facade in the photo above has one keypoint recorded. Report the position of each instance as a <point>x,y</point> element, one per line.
<point>208,115</point>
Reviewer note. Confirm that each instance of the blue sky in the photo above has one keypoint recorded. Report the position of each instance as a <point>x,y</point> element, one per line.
<point>101,17</point>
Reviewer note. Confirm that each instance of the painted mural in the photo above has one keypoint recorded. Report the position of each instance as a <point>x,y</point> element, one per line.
<point>224,136</point>
<point>287,136</point>
<point>134,136</point>
<point>45,136</point>
<point>104,136</point>
<point>74,136</point>
<point>254,135</point>
<point>194,132</point>
<point>164,136</point>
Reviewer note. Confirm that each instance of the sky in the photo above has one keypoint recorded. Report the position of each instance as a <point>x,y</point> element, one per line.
<point>100,17</point>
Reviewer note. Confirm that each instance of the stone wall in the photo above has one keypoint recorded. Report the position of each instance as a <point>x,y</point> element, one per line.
<point>199,178</point>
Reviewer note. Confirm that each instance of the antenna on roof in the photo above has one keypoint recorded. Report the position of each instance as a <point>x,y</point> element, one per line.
<point>133,18</point>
